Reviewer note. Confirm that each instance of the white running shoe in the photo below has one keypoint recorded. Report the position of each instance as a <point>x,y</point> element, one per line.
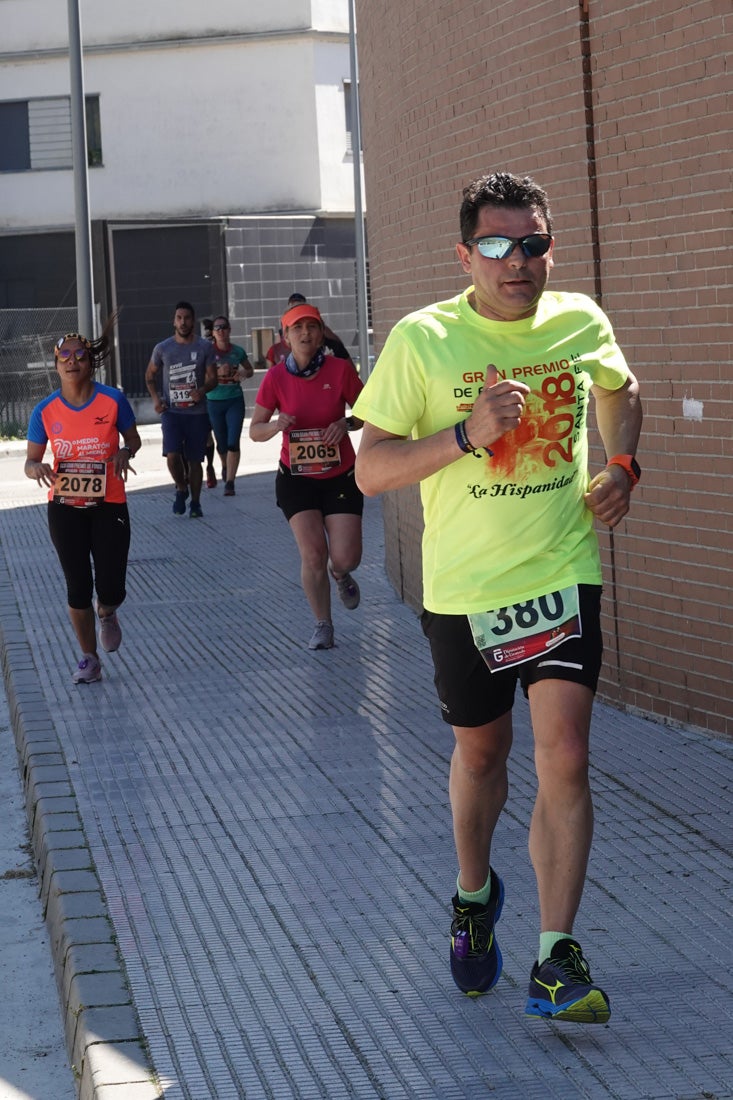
<point>322,637</point>
<point>110,633</point>
<point>88,671</point>
<point>348,591</point>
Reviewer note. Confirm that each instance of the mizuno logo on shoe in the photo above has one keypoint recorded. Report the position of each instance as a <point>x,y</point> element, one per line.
<point>553,990</point>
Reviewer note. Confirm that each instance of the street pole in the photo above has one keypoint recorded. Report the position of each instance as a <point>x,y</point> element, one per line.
<point>362,314</point>
<point>84,288</point>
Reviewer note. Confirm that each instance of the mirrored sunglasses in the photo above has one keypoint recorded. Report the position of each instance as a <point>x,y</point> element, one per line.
<point>498,248</point>
<point>217,327</point>
<point>64,355</point>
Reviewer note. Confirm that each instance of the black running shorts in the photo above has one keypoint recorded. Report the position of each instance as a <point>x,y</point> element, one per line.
<point>328,495</point>
<point>471,695</point>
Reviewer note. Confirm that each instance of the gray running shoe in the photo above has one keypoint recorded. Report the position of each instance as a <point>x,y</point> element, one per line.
<point>110,633</point>
<point>88,671</point>
<point>322,637</point>
<point>348,591</point>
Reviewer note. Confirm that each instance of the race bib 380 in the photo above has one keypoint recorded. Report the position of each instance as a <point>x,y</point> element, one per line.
<point>511,635</point>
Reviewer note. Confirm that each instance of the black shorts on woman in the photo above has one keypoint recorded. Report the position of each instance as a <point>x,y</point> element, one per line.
<point>331,496</point>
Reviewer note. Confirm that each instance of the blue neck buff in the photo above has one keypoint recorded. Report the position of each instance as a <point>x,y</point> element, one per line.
<point>306,372</point>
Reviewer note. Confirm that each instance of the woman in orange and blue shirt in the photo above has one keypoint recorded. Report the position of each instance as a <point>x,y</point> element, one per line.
<point>88,518</point>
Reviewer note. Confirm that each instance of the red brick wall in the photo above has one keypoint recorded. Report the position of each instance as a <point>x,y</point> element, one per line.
<point>622,112</point>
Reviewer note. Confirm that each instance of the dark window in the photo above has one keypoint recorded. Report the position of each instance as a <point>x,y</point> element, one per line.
<point>94,131</point>
<point>348,108</point>
<point>368,292</point>
<point>15,151</point>
<point>37,134</point>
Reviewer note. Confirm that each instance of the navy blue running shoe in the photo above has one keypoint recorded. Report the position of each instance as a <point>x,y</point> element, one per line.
<point>562,988</point>
<point>475,958</point>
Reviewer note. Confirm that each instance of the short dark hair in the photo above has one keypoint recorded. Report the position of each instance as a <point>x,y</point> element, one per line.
<point>185,305</point>
<point>296,299</point>
<point>501,189</point>
<point>206,322</point>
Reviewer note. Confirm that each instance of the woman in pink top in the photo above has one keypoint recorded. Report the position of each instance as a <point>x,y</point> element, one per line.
<point>315,487</point>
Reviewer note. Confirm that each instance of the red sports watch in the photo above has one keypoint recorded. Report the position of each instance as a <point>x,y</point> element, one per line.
<point>628,463</point>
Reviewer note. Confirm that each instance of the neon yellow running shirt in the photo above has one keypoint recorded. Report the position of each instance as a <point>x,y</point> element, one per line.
<point>505,529</point>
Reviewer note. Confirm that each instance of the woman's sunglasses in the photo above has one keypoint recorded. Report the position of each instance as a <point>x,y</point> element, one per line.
<point>65,355</point>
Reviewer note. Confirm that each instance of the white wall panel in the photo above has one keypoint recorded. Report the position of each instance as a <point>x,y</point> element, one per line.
<point>42,24</point>
<point>197,130</point>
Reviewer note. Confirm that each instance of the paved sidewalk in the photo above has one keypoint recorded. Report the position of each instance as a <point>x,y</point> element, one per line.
<point>246,851</point>
<point>34,1062</point>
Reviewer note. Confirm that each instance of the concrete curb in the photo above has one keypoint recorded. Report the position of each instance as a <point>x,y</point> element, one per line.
<point>107,1049</point>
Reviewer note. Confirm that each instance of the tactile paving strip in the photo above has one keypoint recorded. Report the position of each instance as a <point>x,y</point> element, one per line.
<point>271,828</point>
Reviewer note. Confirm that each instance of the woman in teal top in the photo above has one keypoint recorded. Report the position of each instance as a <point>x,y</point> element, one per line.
<point>226,402</point>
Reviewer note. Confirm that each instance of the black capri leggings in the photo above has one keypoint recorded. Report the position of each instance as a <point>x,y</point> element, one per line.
<point>82,535</point>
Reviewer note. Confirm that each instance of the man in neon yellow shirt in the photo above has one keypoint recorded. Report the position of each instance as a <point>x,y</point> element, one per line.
<point>483,400</point>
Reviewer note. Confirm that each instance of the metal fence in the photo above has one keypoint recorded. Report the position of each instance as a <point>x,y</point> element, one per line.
<point>27,372</point>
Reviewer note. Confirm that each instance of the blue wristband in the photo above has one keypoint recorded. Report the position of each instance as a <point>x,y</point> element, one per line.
<point>462,438</point>
<point>465,443</point>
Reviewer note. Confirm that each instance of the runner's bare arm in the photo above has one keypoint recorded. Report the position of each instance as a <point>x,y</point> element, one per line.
<point>385,461</point>
<point>262,427</point>
<point>35,468</point>
<point>151,381</point>
<point>619,416</point>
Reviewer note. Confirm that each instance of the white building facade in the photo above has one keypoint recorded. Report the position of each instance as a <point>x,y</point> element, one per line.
<point>220,163</point>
